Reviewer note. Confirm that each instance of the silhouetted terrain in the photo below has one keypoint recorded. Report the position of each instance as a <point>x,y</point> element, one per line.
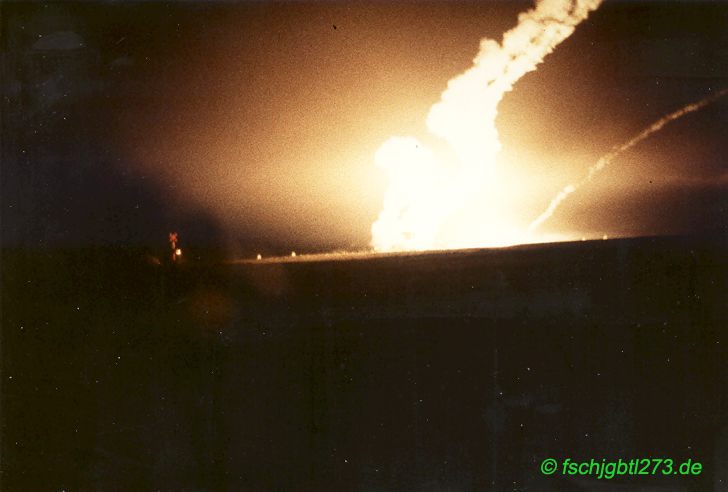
<point>434,371</point>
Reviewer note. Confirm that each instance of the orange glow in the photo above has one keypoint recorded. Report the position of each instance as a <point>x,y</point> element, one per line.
<point>178,252</point>
<point>434,205</point>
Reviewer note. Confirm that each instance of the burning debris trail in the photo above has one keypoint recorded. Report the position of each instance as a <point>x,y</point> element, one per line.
<point>617,151</point>
<point>425,193</point>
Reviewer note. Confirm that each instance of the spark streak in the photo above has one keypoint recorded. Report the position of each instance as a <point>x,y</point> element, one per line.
<point>607,159</point>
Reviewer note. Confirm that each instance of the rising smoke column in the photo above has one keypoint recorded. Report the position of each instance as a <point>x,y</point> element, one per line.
<point>605,160</point>
<point>423,192</point>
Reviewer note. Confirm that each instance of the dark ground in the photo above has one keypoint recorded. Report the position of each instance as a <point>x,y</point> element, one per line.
<point>447,371</point>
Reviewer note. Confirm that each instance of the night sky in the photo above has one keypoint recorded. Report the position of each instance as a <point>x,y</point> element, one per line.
<point>252,126</point>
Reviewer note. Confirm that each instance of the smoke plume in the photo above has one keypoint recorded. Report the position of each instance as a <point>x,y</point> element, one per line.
<point>423,192</point>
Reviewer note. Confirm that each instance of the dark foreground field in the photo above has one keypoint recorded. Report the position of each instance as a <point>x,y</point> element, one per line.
<point>448,371</point>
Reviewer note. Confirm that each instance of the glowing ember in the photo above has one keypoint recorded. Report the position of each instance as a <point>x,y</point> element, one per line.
<point>431,205</point>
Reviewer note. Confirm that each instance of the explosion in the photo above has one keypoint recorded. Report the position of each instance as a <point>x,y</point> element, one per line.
<point>424,194</point>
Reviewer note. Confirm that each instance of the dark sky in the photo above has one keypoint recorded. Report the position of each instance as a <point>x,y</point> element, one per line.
<point>254,125</point>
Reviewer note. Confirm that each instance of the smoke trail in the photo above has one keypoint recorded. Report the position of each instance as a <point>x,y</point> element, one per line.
<point>423,192</point>
<point>617,151</point>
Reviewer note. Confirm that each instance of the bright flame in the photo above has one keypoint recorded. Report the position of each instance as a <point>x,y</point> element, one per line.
<point>178,252</point>
<point>424,195</point>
